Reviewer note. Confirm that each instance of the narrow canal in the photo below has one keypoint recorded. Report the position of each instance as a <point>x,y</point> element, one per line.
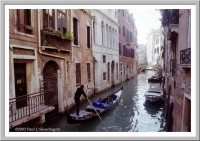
<point>132,114</point>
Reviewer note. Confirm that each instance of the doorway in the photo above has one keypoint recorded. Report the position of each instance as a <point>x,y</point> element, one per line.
<point>50,86</point>
<point>20,84</point>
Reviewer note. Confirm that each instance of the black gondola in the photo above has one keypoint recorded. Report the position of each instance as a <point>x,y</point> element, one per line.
<point>155,79</point>
<point>101,106</point>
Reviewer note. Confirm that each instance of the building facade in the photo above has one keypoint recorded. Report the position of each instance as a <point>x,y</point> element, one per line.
<point>105,49</point>
<point>142,55</point>
<point>177,68</point>
<point>158,50</point>
<point>50,55</point>
<point>127,45</point>
<point>151,42</point>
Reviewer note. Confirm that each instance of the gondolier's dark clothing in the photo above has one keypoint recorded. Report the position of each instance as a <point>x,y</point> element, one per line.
<point>77,96</point>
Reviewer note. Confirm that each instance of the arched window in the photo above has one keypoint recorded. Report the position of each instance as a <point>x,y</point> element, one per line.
<point>75,28</point>
<point>94,26</point>
<point>107,35</point>
<point>102,32</point>
<point>113,38</point>
<point>110,35</point>
<point>117,70</point>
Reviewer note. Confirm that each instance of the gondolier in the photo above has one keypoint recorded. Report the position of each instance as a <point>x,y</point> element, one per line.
<point>77,96</point>
<point>95,109</point>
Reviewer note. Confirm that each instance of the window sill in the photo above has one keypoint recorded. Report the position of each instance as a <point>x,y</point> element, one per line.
<point>76,45</point>
<point>23,34</point>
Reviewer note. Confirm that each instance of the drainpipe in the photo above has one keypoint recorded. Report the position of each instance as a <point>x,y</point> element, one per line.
<point>39,45</point>
<point>39,42</point>
<point>94,59</point>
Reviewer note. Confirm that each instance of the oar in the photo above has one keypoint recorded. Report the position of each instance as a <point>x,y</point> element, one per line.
<point>96,112</point>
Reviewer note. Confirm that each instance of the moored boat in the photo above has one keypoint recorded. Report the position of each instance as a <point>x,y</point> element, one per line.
<point>102,105</point>
<point>154,93</point>
<point>155,79</point>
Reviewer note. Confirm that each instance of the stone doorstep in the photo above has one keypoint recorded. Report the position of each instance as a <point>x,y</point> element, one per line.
<point>32,116</point>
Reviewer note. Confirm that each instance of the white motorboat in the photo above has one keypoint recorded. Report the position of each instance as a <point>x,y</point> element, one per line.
<point>154,93</point>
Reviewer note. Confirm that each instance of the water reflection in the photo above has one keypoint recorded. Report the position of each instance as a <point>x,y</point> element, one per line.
<point>131,114</point>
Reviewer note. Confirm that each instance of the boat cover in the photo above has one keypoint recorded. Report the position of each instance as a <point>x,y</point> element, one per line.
<point>82,113</point>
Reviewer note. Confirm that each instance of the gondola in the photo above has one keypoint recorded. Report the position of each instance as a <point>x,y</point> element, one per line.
<point>155,79</point>
<point>102,105</point>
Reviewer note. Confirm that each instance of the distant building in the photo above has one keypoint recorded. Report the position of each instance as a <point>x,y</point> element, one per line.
<point>158,50</point>
<point>151,42</point>
<point>142,55</point>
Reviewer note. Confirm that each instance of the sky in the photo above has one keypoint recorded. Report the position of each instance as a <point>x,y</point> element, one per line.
<point>145,20</point>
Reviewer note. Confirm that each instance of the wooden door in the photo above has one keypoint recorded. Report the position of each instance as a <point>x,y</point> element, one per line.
<point>20,84</point>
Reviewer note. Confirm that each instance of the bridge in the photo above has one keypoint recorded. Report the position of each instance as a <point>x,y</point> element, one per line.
<point>158,69</point>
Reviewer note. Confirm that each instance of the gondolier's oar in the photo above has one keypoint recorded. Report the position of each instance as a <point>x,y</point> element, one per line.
<point>96,112</point>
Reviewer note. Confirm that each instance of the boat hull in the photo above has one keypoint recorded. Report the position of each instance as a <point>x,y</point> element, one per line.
<point>153,99</point>
<point>89,113</point>
<point>154,93</point>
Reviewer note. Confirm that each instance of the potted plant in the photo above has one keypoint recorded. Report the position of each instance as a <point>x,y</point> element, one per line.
<point>45,42</point>
<point>68,35</point>
<point>58,32</point>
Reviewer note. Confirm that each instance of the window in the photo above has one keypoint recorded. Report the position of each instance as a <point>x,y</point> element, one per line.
<point>189,28</point>
<point>88,36</point>
<point>119,29</point>
<point>88,72</point>
<point>117,70</point>
<point>75,30</point>
<point>120,52</point>
<point>133,53</point>
<point>78,74</point>
<point>123,31</point>
<point>108,67</point>
<point>102,32</point>
<point>104,59</point>
<point>124,69</point>
<point>48,18</point>
<point>104,76</point>
<point>124,50</point>
<point>94,31</point>
<point>62,21</point>
<point>24,21</point>
<point>121,66</point>
<point>127,35</point>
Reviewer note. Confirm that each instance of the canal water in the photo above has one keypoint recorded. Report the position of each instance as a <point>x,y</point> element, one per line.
<point>132,114</point>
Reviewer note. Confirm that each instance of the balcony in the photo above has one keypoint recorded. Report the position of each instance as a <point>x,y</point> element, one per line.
<point>25,108</point>
<point>185,58</point>
<point>52,41</point>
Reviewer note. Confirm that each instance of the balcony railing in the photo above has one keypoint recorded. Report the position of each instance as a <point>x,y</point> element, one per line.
<point>51,40</point>
<point>32,105</point>
<point>185,58</point>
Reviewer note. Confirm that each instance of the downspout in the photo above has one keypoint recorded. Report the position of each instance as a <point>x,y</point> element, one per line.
<point>39,46</point>
<point>93,52</point>
<point>39,42</point>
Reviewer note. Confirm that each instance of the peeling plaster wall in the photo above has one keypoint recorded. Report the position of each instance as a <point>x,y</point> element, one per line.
<point>183,80</point>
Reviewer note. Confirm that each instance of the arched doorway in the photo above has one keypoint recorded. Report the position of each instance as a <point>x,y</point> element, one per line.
<point>112,72</point>
<point>50,86</point>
